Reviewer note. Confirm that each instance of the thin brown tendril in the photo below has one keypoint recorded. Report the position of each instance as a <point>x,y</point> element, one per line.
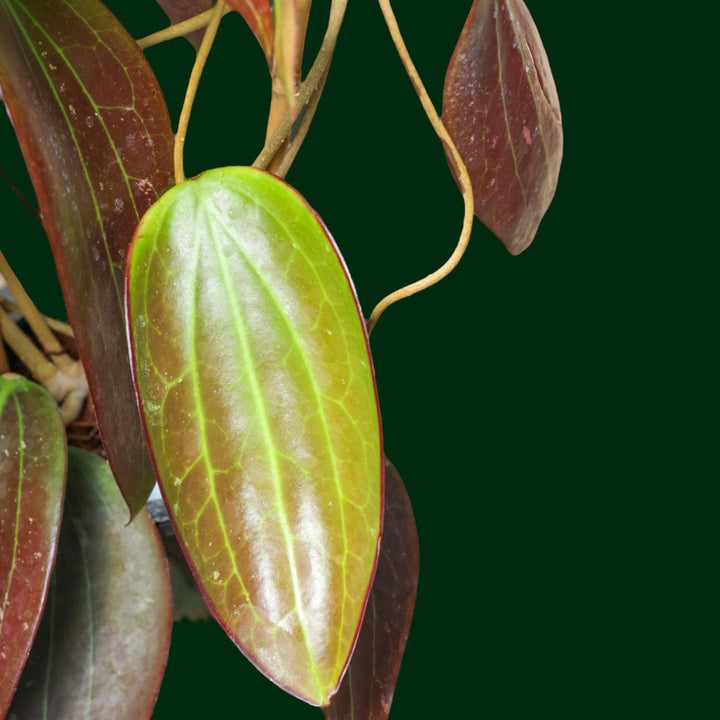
<point>464,178</point>
<point>202,55</point>
<point>196,22</point>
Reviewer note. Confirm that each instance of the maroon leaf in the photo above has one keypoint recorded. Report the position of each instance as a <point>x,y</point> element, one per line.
<point>96,137</point>
<point>367,689</point>
<point>501,108</point>
<point>103,642</point>
<point>32,486</point>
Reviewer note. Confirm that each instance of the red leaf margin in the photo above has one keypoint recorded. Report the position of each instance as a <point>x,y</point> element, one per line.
<point>501,108</point>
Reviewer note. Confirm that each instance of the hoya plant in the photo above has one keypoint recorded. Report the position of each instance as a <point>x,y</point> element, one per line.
<point>216,350</point>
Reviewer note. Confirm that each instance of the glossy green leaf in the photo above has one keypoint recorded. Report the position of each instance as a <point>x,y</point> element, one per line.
<point>501,109</point>
<point>95,133</point>
<point>256,385</point>
<point>32,487</point>
<point>367,689</point>
<point>103,643</point>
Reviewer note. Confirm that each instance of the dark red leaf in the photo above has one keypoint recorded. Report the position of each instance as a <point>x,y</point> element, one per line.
<point>367,689</point>
<point>103,642</point>
<point>32,487</point>
<point>95,133</point>
<point>501,109</point>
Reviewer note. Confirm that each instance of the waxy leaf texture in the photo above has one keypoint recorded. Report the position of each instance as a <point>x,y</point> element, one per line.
<point>32,488</point>
<point>94,130</point>
<point>103,642</point>
<point>257,390</point>
<point>501,109</point>
<point>367,689</point>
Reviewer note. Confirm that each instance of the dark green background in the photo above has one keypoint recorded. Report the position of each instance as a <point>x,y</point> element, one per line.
<point>542,409</point>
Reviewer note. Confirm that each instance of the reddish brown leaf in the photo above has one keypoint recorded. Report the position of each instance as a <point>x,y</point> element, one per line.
<point>95,133</point>
<point>102,645</point>
<point>367,689</point>
<point>501,108</point>
<point>258,15</point>
<point>32,486</point>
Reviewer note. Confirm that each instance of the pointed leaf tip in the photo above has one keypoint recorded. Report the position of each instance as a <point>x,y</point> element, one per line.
<point>257,391</point>
<point>502,111</point>
<point>95,133</point>
<point>369,683</point>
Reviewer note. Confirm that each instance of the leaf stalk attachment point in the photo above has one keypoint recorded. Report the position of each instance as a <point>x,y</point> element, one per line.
<point>463,176</point>
<point>307,100</point>
<point>202,54</point>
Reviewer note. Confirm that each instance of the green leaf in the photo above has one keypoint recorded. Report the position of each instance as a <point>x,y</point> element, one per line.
<point>256,385</point>
<point>95,133</point>
<point>501,109</point>
<point>32,487</point>
<point>368,686</point>
<point>102,646</point>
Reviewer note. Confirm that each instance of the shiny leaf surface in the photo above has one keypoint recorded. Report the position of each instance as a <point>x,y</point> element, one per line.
<point>501,108</point>
<point>96,137</point>
<point>32,487</point>
<point>103,642</point>
<point>256,385</point>
<point>369,684</point>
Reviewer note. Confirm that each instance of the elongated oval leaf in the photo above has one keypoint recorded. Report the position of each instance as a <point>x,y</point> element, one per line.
<point>367,689</point>
<point>501,109</point>
<point>32,487</point>
<point>255,381</point>
<point>96,137</point>
<point>102,646</point>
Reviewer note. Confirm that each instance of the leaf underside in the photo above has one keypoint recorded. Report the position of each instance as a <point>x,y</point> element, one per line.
<point>367,689</point>
<point>32,487</point>
<point>256,386</point>
<point>103,642</point>
<point>501,109</point>
<point>95,133</point>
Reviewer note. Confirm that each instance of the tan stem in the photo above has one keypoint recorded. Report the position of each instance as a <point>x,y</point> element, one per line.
<point>282,162</point>
<point>37,323</point>
<point>197,22</point>
<point>30,356</point>
<point>67,384</point>
<point>311,85</point>
<point>57,326</point>
<point>200,59</point>
<point>4,363</point>
<point>463,176</point>
<point>278,101</point>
